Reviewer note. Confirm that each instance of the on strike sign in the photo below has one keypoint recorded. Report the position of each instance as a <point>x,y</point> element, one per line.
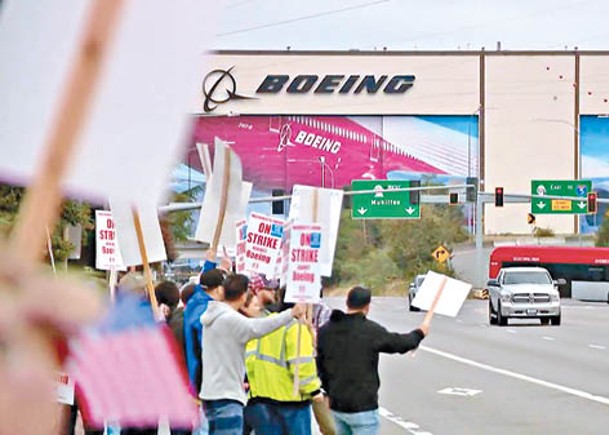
<point>108,254</point>
<point>263,244</point>
<point>304,264</point>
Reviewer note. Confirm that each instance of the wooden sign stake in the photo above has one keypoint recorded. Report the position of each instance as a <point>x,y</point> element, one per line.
<point>223,201</point>
<point>144,255</point>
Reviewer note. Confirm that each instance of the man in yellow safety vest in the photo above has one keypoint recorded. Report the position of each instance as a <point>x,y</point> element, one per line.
<point>272,363</point>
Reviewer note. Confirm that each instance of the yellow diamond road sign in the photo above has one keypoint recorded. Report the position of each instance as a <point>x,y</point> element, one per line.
<point>441,254</point>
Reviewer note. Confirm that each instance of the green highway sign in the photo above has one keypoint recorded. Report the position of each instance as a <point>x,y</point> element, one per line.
<point>383,203</point>
<point>569,188</point>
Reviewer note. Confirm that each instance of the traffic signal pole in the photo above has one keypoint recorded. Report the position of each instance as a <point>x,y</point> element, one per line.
<point>480,278</point>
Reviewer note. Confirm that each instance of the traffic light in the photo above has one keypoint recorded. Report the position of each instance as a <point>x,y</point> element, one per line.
<point>278,205</point>
<point>498,196</point>
<point>415,196</point>
<point>592,202</point>
<point>453,199</point>
<point>471,193</point>
<point>531,219</point>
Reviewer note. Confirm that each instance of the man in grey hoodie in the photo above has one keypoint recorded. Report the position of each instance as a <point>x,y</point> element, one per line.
<point>226,334</point>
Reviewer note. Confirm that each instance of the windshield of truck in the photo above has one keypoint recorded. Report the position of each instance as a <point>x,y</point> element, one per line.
<point>527,278</point>
<point>419,280</point>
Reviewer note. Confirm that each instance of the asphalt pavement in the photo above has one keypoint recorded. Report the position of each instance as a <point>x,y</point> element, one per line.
<point>469,377</point>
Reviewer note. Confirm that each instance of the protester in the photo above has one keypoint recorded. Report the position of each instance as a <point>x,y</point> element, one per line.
<point>134,284</point>
<point>271,362</point>
<point>209,289</point>
<point>251,308</point>
<point>176,321</point>
<point>267,292</point>
<point>168,295</point>
<point>224,340</point>
<point>347,360</point>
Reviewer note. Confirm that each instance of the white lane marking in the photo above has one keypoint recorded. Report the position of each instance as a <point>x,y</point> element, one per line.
<point>596,346</point>
<point>511,331</point>
<point>411,427</point>
<point>459,321</point>
<point>532,380</point>
<point>456,391</point>
<point>548,338</point>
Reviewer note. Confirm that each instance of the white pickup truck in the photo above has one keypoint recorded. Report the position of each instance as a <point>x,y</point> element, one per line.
<point>524,292</point>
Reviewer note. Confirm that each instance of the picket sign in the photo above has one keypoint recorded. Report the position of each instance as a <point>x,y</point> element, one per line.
<point>127,233</point>
<point>224,202</point>
<point>307,204</point>
<point>263,244</point>
<point>107,249</point>
<point>304,275</point>
<point>39,207</point>
<point>303,210</point>
<point>67,125</point>
<point>452,297</point>
<point>64,388</point>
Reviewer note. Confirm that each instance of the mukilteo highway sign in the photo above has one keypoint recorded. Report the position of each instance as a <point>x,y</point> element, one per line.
<point>577,189</point>
<point>383,203</point>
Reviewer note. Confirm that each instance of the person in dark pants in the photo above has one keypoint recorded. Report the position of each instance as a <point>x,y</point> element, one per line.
<point>348,348</point>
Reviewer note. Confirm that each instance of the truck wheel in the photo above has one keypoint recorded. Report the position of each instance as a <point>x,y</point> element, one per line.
<point>556,320</point>
<point>492,316</point>
<point>501,321</point>
<point>410,307</point>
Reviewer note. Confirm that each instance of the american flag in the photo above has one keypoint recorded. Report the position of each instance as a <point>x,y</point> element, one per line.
<point>128,371</point>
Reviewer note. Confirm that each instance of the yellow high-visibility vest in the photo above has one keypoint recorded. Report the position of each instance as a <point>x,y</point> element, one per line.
<point>271,361</point>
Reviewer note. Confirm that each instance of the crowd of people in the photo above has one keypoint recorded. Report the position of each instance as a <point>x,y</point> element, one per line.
<point>257,364</point>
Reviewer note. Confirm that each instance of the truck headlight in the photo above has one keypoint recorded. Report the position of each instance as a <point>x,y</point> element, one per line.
<point>554,298</point>
<point>506,297</point>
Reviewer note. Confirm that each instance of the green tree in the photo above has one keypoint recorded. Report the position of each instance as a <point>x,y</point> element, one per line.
<point>602,235</point>
<point>72,213</point>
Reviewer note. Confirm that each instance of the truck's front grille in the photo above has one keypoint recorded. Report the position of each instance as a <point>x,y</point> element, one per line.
<point>530,298</point>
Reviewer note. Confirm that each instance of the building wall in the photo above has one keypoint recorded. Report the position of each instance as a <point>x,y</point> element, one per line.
<point>529,120</point>
<point>529,134</point>
<point>443,84</point>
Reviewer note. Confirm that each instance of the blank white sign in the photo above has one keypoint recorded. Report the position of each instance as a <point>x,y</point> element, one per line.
<point>454,294</point>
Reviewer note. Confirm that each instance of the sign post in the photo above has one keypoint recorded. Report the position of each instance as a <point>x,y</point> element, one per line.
<point>568,188</point>
<point>383,203</point>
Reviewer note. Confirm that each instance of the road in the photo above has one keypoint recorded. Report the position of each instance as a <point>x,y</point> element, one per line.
<point>472,378</point>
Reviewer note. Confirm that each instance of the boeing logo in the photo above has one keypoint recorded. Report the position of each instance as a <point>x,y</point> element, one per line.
<point>219,87</point>
<point>336,83</point>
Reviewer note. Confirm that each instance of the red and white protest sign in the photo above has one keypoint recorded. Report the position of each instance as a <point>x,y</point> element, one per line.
<point>241,228</point>
<point>263,244</point>
<point>108,254</point>
<point>304,264</point>
<point>64,386</point>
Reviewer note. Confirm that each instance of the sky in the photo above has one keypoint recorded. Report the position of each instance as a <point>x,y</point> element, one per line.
<point>413,25</point>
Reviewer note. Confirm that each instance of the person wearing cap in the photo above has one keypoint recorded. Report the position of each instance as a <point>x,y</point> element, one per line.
<point>273,407</point>
<point>348,348</point>
<point>266,290</point>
